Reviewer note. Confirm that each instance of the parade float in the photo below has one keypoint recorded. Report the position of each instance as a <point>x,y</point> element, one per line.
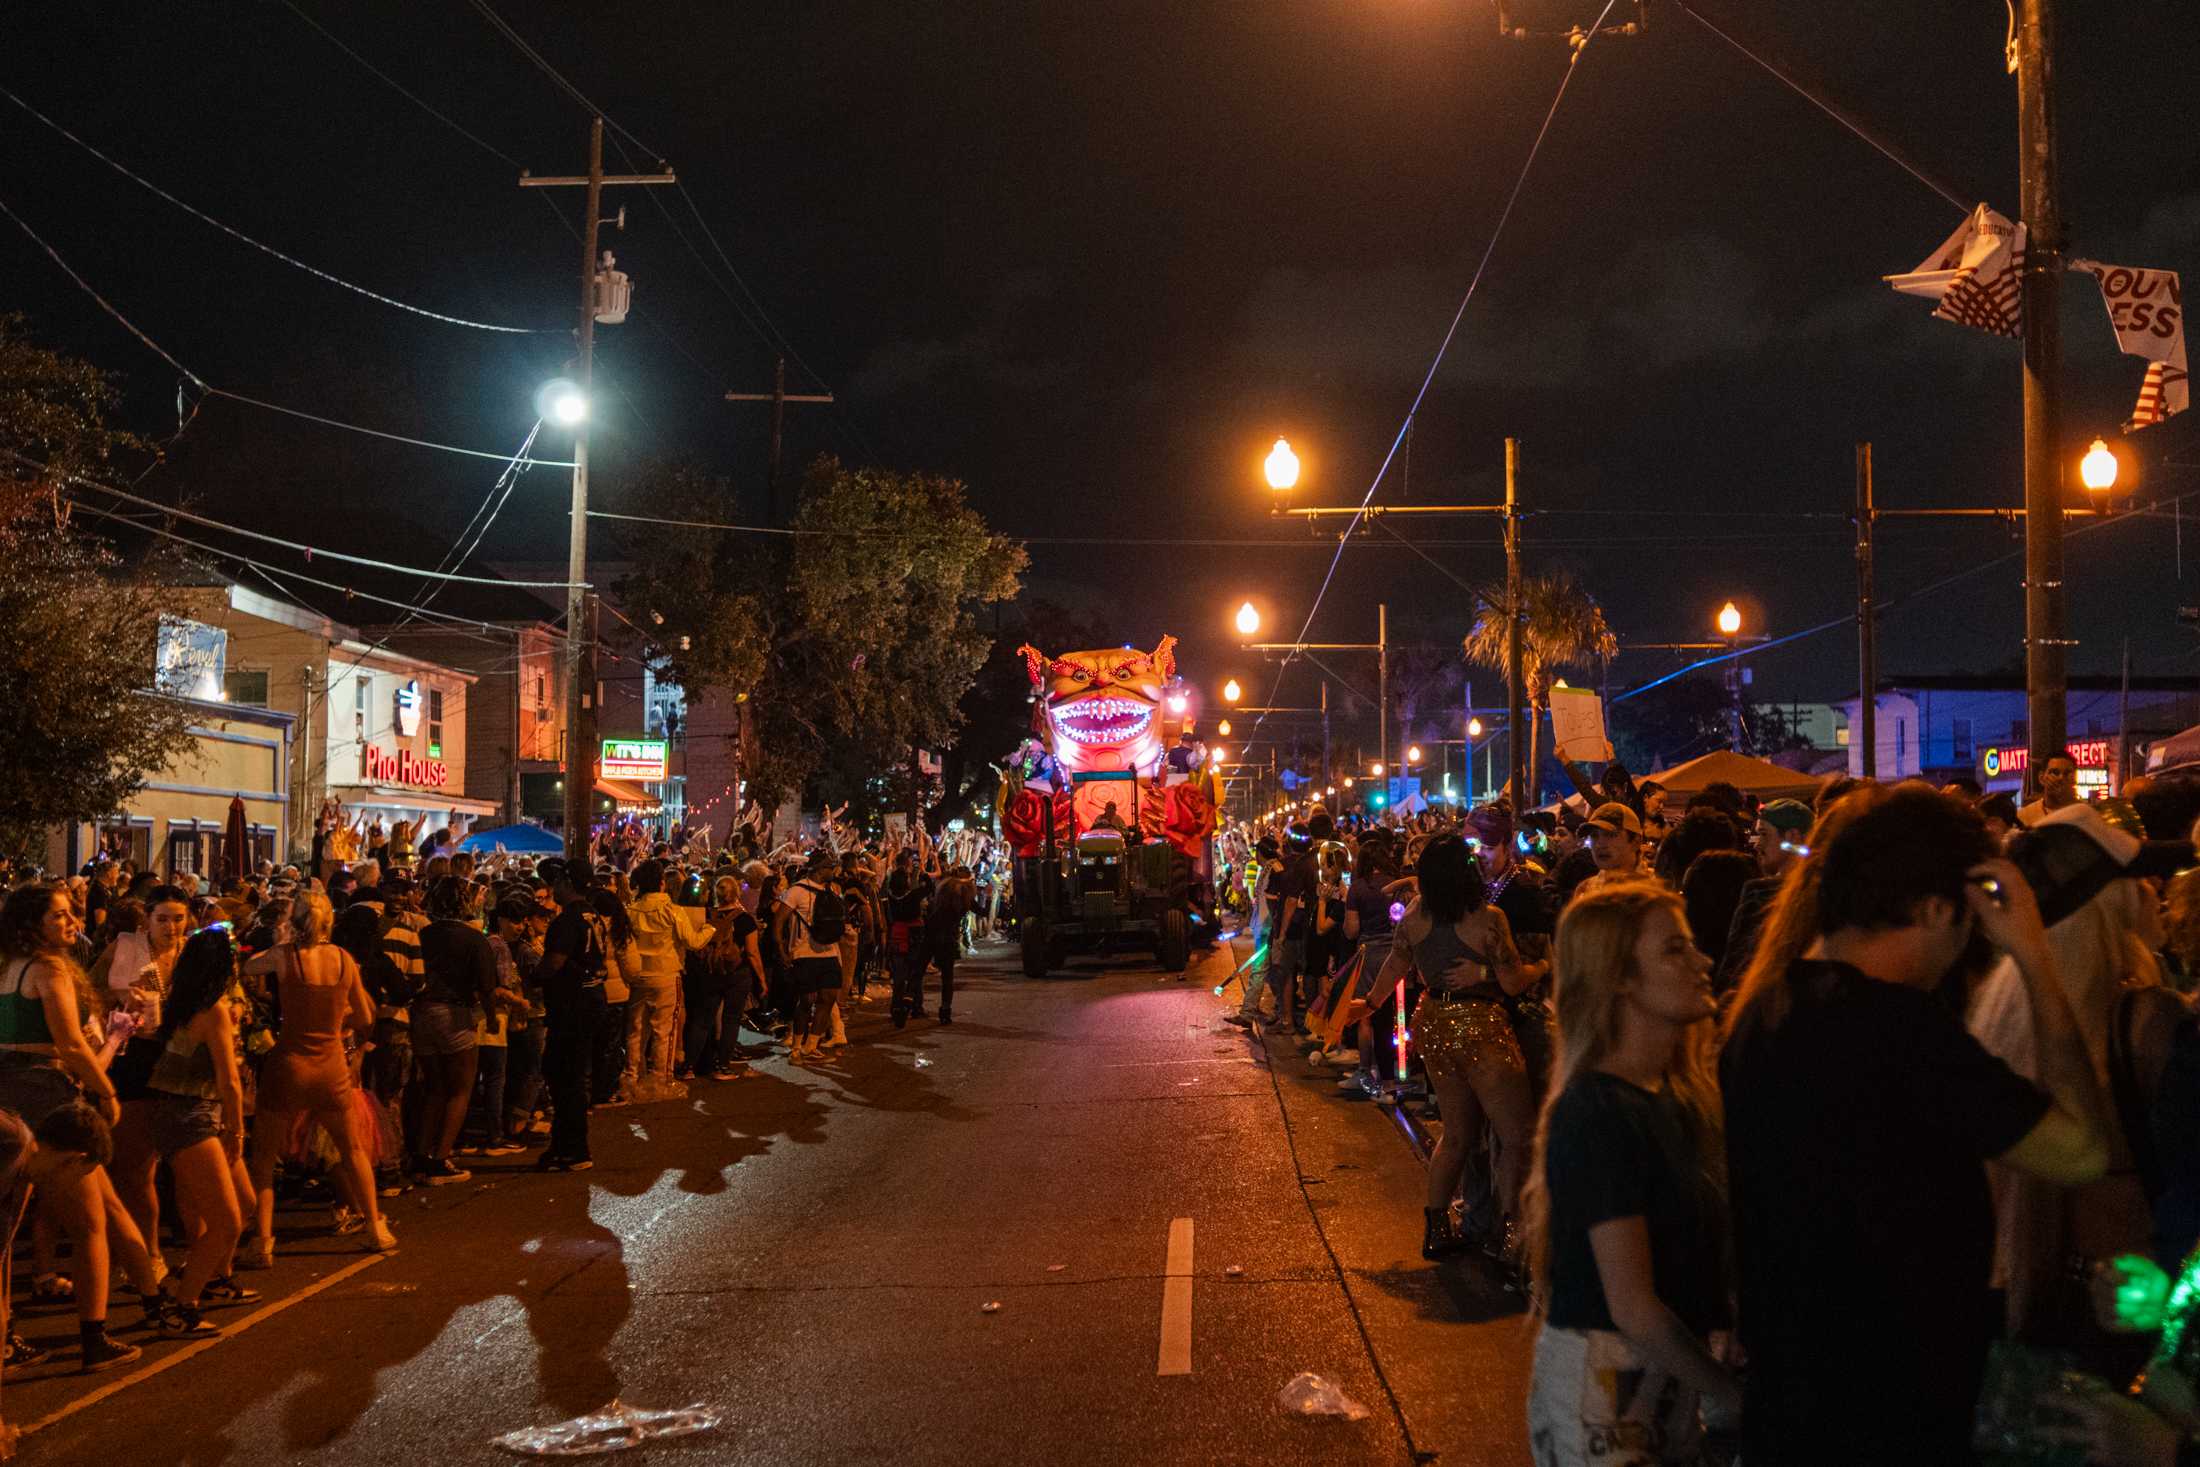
<point>1111,836</point>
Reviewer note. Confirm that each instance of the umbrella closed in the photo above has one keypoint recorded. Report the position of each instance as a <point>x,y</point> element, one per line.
<point>236,844</point>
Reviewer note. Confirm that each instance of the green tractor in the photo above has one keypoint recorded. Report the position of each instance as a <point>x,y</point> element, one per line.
<point>1103,890</point>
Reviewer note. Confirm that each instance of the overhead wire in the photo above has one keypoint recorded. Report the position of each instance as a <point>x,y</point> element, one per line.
<point>394,85</point>
<point>235,233</point>
<point>1489,249</point>
<point>211,390</point>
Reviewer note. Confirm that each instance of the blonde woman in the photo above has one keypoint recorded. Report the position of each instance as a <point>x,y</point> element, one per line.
<point>1625,1219</point>
<point>307,1074</point>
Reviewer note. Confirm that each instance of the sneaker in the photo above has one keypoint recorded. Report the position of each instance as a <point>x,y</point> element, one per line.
<point>1353,1084</point>
<point>391,1183</point>
<point>731,1072</point>
<point>1243,1021</point>
<point>1345,1056</point>
<point>563,1164</point>
<point>104,1353</point>
<point>223,1290</point>
<point>502,1148</point>
<point>21,1353</point>
<point>538,1128</point>
<point>443,1173</point>
<point>380,1239</point>
<point>1314,1059</point>
<point>52,1291</point>
<point>469,1148</point>
<point>616,1102</point>
<point>257,1254</point>
<point>180,1321</point>
<point>947,1018</point>
<point>347,1223</point>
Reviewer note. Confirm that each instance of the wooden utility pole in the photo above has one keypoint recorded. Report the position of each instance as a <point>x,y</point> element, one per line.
<point>1867,622</point>
<point>580,701</point>
<point>2045,641</point>
<point>778,397</point>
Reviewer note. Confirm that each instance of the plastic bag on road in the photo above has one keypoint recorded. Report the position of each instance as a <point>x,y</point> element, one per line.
<point>613,1429</point>
<point>1312,1395</point>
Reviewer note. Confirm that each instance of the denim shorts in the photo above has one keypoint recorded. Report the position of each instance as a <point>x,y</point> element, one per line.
<point>180,1122</point>
<point>441,1028</point>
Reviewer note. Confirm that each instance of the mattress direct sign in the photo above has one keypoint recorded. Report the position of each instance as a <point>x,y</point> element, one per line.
<point>636,759</point>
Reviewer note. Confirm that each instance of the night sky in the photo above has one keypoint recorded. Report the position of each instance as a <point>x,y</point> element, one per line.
<point>1093,258</point>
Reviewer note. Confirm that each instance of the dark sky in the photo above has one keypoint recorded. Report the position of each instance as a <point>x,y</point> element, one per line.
<point>1094,257</point>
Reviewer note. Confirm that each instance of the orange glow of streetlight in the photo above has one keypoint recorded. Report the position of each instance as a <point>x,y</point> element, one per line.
<point>1730,620</point>
<point>2097,470</point>
<point>1378,768</point>
<point>1474,728</point>
<point>1231,692</point>
<point>1248,619</point>
<point>1223,728</point>
<point>1282,466</point>
<point>1413,753</point>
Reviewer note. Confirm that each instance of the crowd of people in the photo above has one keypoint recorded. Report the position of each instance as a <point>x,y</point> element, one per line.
<point>1857,1130</point>
<point>177,1055</point>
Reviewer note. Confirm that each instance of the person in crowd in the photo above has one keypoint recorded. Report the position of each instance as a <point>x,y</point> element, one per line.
<point>459,987</point>
<point>493,1047</point>
<point>810,919</point>
<point>1711,889</point>
<point>306,1074</point>
<point>608,1058</point>
<point>1857,1112</point>
<point>70,1145</point>
<point>1625,1219</point>
<point>944,934</point>
<point>198,1129</point>
<point>134,972</point>
<point>522,917</point>
<point>907,895</point>
<point>665,932</point>
<point>1701,829</point>
<point>2058,789</point>
<point>1783,843</point>
<point>727,976</point>
<point>1461,951</point>
<point>577,958</point>
<point>46,1063</point>
<point>1294,893</point>
<point>1615,845</point>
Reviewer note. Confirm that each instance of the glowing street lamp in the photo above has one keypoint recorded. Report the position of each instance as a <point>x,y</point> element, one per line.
<point>1223,728</point>
<point>1348,781</point>
<point>1248,619</point>
<point>1231,692</point>
<point>1730,620</point>
<point>1378,769</point>
<point>1413,753</point>
<point>2097,470</point>
<point>1282,466</point>
<point>563,403</point>
<point>1331,791</point>
<point>1219,754</point>
<point>1474,728</point>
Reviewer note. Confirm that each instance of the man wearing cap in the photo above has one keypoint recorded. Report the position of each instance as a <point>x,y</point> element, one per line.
<point>1783,827</point>
<point>1615,840</point>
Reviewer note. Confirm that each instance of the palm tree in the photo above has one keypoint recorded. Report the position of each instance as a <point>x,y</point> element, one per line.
<point>1563,627</point>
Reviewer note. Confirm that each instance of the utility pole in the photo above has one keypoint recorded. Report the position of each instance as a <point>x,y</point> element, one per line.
<point>778,397</point>
<point>1329,775</point>
<point>2045,643</point>
<point>580,700</point>
<point>1867,621</point>
<point>1516,615</point>
<point>1382,694</point>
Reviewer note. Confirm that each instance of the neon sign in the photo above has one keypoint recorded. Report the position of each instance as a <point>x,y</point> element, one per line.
<point>404,767</point>
<point>2085,753</point>
<point>636,759</point>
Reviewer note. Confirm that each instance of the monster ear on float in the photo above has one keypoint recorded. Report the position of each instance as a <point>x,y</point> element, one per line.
<point>1034,663</point>
<point>1164,658</point>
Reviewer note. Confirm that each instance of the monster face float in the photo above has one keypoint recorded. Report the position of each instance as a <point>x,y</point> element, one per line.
<point>1103,708</point>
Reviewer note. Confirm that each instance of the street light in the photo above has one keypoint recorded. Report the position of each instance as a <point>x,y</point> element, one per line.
<point>1348,781</point>
<point>1282,466</point>
<point>1223,728</point>
<point>1331,792</point>
<point>1378,769</point>
<point>1248,619</point>
<point>1219,754</point>
<point>2097,470</point>
<point>1413,753</point>
<point>562,402</point>
<point>1730,620</point>
<point>1231,692</point>
<point>1474,728</point>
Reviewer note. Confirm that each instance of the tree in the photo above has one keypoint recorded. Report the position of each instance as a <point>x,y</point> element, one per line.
<point>78,634</point>
<point>1678,720</point>
<point>853,639</point>
<point>1563,627</point>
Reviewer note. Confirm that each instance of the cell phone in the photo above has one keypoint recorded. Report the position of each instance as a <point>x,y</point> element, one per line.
<point>1993,889</point>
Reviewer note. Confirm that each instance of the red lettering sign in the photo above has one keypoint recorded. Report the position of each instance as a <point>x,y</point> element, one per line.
<point>405,767</point>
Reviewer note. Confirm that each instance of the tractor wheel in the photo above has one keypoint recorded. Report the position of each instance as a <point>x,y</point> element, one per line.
<point>1173,946</point>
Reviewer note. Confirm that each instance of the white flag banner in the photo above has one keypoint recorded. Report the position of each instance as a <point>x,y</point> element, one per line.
<point>2147,309</point>
<point>1977,275</point>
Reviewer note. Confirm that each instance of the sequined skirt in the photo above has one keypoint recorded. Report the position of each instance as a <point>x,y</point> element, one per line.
<point>1455,1035</point>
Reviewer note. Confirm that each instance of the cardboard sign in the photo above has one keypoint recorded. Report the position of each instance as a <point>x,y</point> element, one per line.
<point>1577,726</point>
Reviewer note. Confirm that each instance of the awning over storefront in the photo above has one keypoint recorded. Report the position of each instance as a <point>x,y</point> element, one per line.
<point>422,807</point>
<point>626,796</point>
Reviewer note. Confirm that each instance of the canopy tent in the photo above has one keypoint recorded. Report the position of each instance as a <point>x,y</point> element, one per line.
<point>2178,752</point>
<point>1759,777</point>
<point>517,840</point>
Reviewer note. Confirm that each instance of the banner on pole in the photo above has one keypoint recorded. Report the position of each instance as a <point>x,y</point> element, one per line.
<point>2148,311</point>
<point>1976,275</point>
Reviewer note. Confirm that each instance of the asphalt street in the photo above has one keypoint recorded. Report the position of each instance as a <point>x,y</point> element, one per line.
<point>1170,1228</point>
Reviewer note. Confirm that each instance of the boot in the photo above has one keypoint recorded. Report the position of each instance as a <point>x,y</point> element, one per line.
<point>1439,1235</point>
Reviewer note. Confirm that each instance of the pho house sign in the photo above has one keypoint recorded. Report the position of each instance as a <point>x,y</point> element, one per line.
<point>404,767</point>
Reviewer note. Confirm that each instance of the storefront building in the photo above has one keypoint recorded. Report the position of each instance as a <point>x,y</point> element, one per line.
<point>177,823</point>
<point>1940,728</point>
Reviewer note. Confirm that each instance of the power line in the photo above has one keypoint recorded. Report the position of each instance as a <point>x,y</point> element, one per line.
<point>387,80</point>
<point>519,44</point>
<point>235,233</point>
<point>211,390</point>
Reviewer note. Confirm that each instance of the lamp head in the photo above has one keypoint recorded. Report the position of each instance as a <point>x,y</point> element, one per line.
<point>1282,466</point>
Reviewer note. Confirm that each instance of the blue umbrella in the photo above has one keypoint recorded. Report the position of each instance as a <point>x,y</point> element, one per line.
<point>518,840</point>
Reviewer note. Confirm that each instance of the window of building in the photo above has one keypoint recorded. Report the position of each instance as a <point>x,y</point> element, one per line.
<point>183,851</point>
<point>1901,741</point>
<point>1960,740</point>
<point>362,701</point>
<point>435,723</point>
<point>247,688</point>
<point>542,695</point>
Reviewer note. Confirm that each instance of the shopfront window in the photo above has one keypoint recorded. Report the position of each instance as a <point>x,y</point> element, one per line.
<point>186,853</point>
<point>248,689</point>
<point>362,702</point>
<point>435,723</point>
<point>128,842</point>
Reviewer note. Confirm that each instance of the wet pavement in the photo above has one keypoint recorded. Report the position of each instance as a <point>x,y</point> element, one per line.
<point>1170,1229</point>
